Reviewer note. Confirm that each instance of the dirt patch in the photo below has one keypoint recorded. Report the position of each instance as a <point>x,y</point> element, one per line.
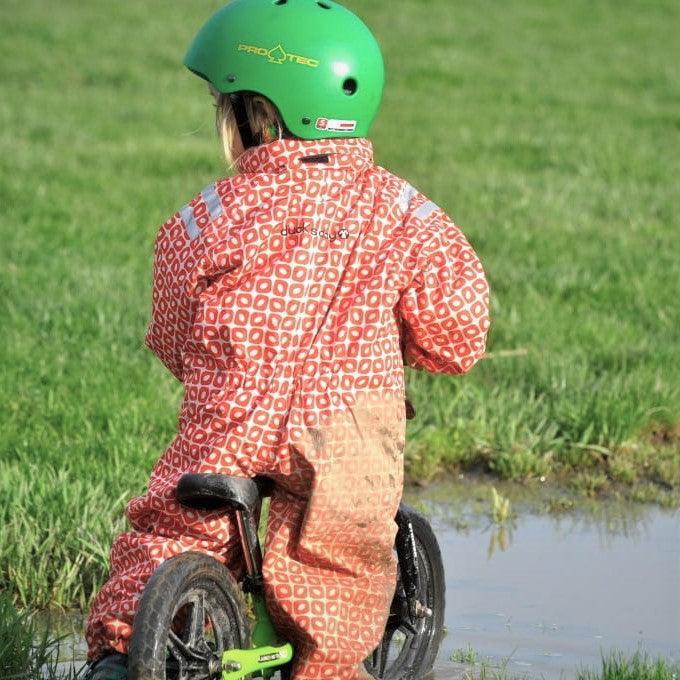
<point>665,434</point>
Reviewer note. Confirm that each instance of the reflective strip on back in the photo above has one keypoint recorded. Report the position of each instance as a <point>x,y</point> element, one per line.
<point>426,209</point>
<point>189,220</point>
<point>406,197</point>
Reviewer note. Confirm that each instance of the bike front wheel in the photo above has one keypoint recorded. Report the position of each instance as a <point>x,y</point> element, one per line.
<point>190,612</point>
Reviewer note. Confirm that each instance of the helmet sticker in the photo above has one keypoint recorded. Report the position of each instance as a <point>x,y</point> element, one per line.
<point>278,55</point>
<point>336,125</point>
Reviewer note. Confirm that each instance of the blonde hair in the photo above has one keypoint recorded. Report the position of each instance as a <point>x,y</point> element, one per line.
<point>263,117</point>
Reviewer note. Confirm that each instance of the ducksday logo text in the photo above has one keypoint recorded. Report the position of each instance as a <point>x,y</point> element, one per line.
<point>292,230</point>
<point>277,55</point>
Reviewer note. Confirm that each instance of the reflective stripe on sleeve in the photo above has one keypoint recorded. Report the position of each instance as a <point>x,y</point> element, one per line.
<point>406,197</point>
<point>212,201</point>
<point>189,220</point>
<point>426,209</point>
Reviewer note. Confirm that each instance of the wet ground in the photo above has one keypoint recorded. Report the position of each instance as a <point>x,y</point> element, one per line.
<point>546,594</point>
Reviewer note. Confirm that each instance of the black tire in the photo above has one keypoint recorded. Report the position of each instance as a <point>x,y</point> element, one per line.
<point>402,654</point>
<point>191,610</point>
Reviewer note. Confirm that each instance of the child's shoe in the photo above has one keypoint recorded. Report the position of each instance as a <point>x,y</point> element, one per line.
<point>110,667</point>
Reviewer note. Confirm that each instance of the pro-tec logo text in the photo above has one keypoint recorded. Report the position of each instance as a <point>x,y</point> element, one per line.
<point>277,55</point>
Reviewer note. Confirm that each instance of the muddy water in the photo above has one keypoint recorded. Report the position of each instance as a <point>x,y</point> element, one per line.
<point>546,594</point>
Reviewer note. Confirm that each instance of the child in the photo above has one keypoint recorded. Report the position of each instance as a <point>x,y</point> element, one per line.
<point>287,299</point>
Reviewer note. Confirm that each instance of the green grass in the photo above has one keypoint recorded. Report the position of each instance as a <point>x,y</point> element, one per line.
<point>464,655</point>
<point>28,651</point>
<point>616,666</point>
<point>546,129</point>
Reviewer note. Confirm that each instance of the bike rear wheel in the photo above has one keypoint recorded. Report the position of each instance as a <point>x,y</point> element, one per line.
<point>191,610</point>
<point>408,649</point>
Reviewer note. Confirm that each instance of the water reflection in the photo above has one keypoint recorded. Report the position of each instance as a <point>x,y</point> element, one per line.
<point>467,508</point>
<point>500,538</point>
<point>547,593</point>
<point>609,522</point>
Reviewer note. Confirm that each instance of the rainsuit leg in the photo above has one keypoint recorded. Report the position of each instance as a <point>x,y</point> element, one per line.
<point>330,568</point>
<point>161,529</point>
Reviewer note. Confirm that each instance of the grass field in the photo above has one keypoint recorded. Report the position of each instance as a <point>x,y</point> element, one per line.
<point>548,130</point>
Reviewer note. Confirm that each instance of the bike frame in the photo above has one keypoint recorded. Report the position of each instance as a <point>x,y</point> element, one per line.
<point>268,651</point>
<point>267,654</point>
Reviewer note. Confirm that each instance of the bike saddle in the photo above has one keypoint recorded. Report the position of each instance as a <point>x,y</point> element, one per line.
<point>205,491</point>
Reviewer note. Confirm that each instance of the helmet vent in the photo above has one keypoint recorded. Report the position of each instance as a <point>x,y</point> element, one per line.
<point>323,5</point>
<point>280,2</point>
<point>350,86</point>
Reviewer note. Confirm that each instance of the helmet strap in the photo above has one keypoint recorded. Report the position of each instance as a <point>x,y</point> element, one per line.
<point>241,115</point>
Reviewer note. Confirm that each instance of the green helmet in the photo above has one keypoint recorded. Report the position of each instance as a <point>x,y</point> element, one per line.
<point>316,61</point>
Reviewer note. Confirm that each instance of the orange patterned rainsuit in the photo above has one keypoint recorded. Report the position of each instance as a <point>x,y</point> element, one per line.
<point>287,299</point>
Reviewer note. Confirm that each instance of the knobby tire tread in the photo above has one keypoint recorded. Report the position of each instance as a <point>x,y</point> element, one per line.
<point>157,604</point>
<point>428,540</point>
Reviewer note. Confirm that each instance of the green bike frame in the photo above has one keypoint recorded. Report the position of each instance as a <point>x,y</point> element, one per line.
<point>267,654</point>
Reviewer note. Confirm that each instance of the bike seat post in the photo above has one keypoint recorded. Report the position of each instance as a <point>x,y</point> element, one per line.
<point>222,493</point>
<point>250,543</point>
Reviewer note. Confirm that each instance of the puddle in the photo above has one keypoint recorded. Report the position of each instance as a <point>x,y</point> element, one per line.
<point>550,593</point>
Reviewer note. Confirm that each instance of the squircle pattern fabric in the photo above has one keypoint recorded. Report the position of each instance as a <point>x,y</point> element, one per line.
<point>287,299</point>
